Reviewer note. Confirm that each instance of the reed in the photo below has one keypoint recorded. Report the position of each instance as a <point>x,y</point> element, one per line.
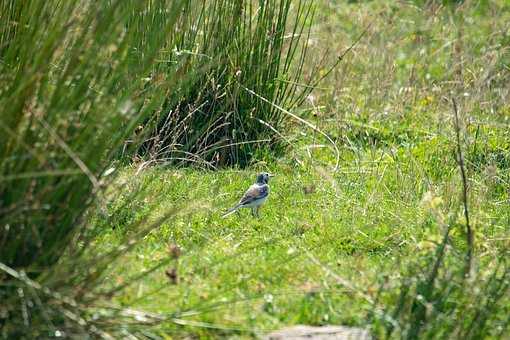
<point>242,47</point>
<point>72,91</point>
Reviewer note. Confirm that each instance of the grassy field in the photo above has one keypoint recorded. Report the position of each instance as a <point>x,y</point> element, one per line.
<point>328,241</point>
<point>355,221</point>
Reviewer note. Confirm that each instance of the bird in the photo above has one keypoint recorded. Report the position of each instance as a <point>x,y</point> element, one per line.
<point>254,197</point>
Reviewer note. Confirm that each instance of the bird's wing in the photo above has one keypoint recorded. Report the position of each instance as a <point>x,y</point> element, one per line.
<point>255,192</point>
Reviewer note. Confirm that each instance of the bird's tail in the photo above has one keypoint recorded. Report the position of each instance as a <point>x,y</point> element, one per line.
<point>231,211</point>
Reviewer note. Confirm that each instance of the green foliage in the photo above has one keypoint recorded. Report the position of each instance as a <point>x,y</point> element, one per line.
<point>70,92</point>
<point>334,248</point>
<point>437,300</point>
<point>242,46</point>
<point>63,63</point>
<point>143,251</point>
<point>246,274</point>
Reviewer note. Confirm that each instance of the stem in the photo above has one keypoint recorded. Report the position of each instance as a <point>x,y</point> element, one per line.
<point>460,161</point>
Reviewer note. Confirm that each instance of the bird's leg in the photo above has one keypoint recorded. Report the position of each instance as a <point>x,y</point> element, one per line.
<point>253,211</point>
<point>256,211</point>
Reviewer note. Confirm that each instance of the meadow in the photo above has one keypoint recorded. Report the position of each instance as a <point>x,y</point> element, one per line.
<point>388,134</point>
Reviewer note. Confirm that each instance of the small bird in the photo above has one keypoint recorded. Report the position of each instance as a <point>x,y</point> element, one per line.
<point>253,197</point>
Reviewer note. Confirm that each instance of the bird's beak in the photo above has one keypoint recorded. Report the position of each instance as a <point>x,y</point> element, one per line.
<point>271,175</point>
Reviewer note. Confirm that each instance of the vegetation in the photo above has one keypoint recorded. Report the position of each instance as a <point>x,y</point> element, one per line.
<point>407,236</point>
<point>71,94</point>
<point>242,47</point>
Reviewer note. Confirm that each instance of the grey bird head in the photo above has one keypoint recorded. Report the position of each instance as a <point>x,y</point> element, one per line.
<point>263,178</point>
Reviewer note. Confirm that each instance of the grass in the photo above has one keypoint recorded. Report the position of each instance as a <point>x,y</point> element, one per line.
<point>379,243</point>
<point>70,97</point>
<point>79,83</point>
<point>251,274</point>
<point>242,258</point>
<point>336,247</point>
<point>241,47</point>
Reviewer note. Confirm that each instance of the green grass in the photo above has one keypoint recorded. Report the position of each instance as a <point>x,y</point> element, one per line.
<point>242,47</point>
<point>339,247</point>
<point>242,273</point>
<point>79,82</point>
<point>241,258</point>
<point>359,245</point>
